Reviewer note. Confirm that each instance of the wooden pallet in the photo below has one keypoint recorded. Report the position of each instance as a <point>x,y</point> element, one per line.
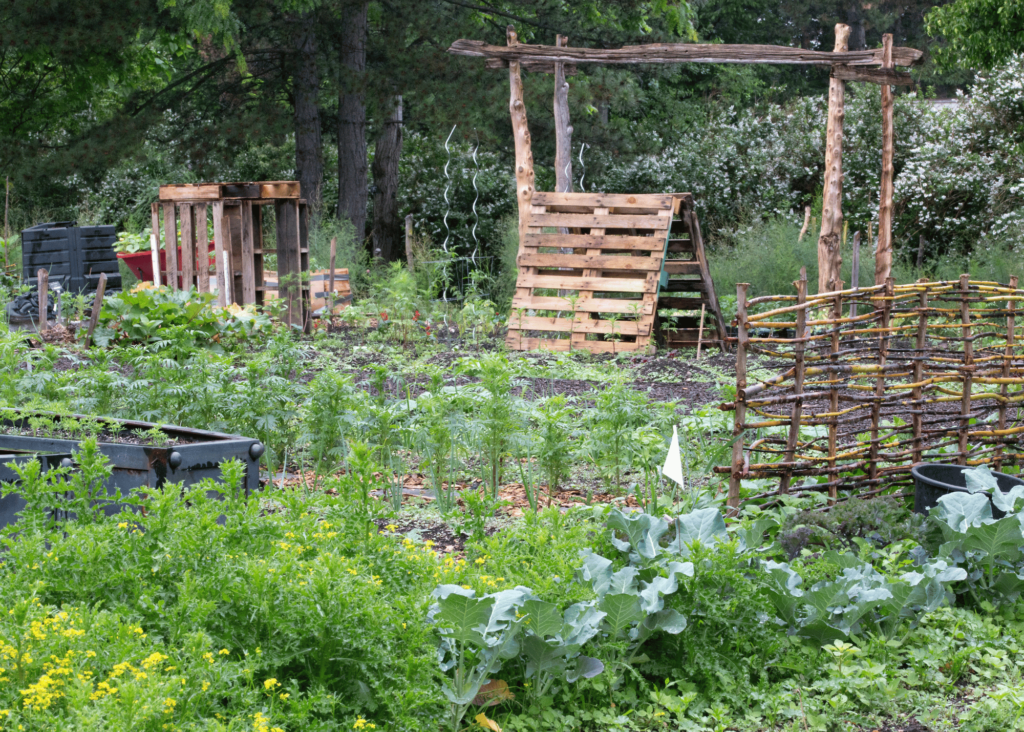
<point>589,271</point>
<point>687,286</point>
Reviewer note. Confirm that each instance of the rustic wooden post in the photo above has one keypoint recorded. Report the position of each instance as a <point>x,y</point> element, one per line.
<point>883,351</point>
<point>829,255</point>
<point>917,392</point>
<point>409,258</point>
<point>171,245</point>
<point>883,257</point>
<point>521,133</point>
<point>563,128</point>
<point>97,305</point>
<point>43,281</point>
<point>796,411</point>
<point>968,367</point>
<point>855,279</point>
<point>220,250</point>
<point>289,258</point>
<point>202,249</point>
<point>833,391</point>
<point>188,245</point>
<point>1004,389</point>
<point>154,242</point>
<point>741,405</point>
<point>700,329</point>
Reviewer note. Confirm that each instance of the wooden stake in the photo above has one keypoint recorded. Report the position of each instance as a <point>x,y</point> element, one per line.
<point>829,254</point>
<point>919,358</point>
<point>855,279</point>
<point>97,305</point>
<point>43,280</point>
<point>248,265</point>
<point>836,285</point>
<point>876,406</point>
<point>563,128</point>
<point>740,415</point>
<point>154,242</point>
<point>807,222</point>
<point>1011,306</point>
<point>409,258</point>
<point>700,329</point>
<point>334,256</point>
<point>968,367</point>
<point>796,411</point>
<point>883,256</point>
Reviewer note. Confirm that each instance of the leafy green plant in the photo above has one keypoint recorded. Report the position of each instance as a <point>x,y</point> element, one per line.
<point>552,428</point>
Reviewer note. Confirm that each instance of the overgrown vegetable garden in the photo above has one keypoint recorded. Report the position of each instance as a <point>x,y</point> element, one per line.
<point>448,536</point>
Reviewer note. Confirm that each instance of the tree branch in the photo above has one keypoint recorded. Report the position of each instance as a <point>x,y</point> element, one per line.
<point>534,23</point>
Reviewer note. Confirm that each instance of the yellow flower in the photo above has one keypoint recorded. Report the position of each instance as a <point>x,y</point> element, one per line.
<point>123,525</point>
<point>169,705</point>
<point>206,685</point>
<point>224,652</point>
<point>285,696</point>
<point>363,724</point>
<point>270,684</point>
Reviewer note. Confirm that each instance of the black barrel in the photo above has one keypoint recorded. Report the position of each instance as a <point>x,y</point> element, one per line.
<point>932,480</point>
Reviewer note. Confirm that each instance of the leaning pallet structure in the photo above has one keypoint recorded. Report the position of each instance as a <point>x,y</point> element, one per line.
<point>686,285</point>
<point>237,213</point>
<point>870,65</point>
<point>599,280</point>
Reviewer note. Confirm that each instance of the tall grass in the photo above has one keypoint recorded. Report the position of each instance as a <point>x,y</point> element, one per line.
<point>769,257</point>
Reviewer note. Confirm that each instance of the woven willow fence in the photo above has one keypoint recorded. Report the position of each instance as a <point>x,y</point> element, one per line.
<point>874,381</point>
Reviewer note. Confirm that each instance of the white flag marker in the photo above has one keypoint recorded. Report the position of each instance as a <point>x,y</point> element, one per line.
<point>673,467</point>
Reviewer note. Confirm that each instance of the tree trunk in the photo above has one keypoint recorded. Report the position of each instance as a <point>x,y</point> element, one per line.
<point>855,19</point>
<point>352,165</point>
<point>829,254</point>
<point>563,127</point>
<point>386,226</point>
<point>309,163</point>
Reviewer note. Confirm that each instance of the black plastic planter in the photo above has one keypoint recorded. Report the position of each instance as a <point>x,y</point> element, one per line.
<point>932,480</point>
<point>192,455</point>
<point>12,503</point>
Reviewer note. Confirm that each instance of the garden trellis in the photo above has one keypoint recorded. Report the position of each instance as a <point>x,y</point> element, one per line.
<point>928,370</point>
<point>875,66</point>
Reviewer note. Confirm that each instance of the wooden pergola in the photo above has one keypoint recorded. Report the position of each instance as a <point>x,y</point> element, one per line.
<point>875,66</point>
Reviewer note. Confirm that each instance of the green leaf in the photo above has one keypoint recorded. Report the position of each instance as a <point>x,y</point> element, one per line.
<point>980,479</point>
<point>543,656</point>
<point>542,618</point>
<point>1008,502</point>
<point>961,510</point>
<point>668,621</point>
<point>584,668</point>
<point>642,530</point>
<point>705,525</point>
<point>621,612</point>
<point>462,617</point>
<point>596,570</point>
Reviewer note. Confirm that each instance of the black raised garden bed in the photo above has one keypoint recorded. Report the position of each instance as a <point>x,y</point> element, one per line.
<point>932,480</point>
<point>186,456</point>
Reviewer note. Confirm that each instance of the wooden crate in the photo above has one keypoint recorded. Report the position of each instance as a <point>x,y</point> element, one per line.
<point>590,265</point>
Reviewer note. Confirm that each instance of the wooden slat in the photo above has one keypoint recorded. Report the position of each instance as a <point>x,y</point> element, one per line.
<point>280,189</point>
<point>595,284</point>
<point>603,200</point>
<point>591,241</point>
<point>677,267</point>
<point>190,192</point>
<point>593,305</point>
<point>288,258</point>
<point>188,245</point>
<point>607,221</point>
<point>562,345</point>
<point>218,248</point>
<point>578,261</point>
<point>171,245</point>
<point>566,325</point>
<point>202,249</point>
<point>248,273</point>
<point>679,303</point>
<point>875,76</point>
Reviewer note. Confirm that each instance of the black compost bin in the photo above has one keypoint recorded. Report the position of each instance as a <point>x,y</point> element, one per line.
<point>11,503</point>
<point>75,256</point>
<point>932,480</point>
<point>137,465</point>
